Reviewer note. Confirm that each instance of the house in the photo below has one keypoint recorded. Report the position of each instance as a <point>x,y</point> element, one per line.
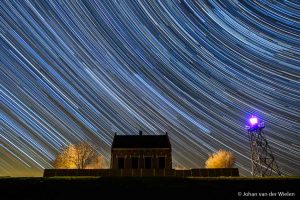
<point>142,156</point>
<point>141,152</point>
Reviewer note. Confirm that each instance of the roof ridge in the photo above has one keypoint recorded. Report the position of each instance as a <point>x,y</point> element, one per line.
<point>141,141</point>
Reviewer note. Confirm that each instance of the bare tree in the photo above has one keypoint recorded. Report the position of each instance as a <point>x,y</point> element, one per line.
<point>79,156</point>
<point>97,163</point>
<point>84,155</point>
<point>66,158</point>
<point>220,159</point>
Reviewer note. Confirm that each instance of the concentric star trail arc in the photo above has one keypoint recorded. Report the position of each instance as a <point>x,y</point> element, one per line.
<point>84,70</point>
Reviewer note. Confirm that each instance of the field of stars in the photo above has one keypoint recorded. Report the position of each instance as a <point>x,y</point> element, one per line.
<point>75,71</point>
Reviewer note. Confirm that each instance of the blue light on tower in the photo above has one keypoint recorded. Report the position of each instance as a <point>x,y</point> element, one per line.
<point>254,123</point>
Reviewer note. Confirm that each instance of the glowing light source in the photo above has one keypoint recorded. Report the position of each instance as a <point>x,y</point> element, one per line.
<point>253,120</point>
<point>255,123</point>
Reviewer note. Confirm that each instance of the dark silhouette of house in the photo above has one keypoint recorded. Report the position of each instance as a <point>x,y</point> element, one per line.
<point>141,152</point>
<point>142,156</point>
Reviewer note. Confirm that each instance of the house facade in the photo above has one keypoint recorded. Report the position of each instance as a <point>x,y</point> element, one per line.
<point>141,152</point>
<point>142,156</point>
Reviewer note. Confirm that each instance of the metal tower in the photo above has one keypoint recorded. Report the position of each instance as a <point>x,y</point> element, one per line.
<point>262,159</point>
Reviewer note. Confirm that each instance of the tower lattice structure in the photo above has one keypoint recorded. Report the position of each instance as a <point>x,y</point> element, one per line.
<point>262,158</point>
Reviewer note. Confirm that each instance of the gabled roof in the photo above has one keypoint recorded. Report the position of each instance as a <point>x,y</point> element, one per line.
<point>141,141</point>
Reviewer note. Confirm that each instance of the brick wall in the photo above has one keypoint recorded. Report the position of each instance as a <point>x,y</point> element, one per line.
<point>140,154</point>
<point>227,172</point>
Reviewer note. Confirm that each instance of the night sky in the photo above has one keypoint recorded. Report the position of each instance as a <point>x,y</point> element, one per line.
<point>82,70</point>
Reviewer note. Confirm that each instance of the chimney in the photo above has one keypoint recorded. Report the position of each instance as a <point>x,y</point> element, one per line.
<point>140,132</point>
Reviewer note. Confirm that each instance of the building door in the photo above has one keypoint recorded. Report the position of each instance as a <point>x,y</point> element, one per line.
<point>134,162</point>
<point>161,162</point>
<point>148,163</point>
<point>121,163</point>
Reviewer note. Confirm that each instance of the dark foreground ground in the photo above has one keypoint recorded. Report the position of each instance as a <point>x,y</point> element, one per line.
<point>146,188</point>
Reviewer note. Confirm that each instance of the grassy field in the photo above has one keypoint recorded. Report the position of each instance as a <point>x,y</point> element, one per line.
<point>150,187</point>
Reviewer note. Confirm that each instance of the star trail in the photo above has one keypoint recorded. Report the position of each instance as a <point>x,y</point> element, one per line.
<point>82,70</point>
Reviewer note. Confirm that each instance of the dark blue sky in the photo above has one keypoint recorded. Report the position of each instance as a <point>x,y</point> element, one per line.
<point>82,70</point>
